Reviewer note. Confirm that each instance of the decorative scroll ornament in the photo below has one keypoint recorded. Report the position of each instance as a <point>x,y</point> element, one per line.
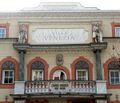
<point>59,59</point>
<point>97,32</point>
<point>23,33</point>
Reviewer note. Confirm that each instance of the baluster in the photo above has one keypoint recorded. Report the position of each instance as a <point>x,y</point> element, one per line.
<point>83,87</point>
<point>79,87</point>
<point>43,87</point>
<point>90,86</point>
<point>28,87</point>
<point>35,84</point>
<point>73,86</point>
<point>94,86</point>
<point>87,87</point>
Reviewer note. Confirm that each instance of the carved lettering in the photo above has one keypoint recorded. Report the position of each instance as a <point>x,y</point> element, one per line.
<point>59,36</point>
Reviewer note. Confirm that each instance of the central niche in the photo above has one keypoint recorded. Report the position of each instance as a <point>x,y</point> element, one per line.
<point>59,75</point>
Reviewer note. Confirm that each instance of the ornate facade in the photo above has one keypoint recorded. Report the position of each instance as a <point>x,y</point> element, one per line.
<point>60,52</point>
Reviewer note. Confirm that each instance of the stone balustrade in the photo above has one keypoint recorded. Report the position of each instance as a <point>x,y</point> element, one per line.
<point>60,87</point>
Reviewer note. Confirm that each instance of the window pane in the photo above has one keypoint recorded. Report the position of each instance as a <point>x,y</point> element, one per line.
<point>37,75</point>
<point>117,81</point>
<point>112,74</point>
<point>82,75</point>
<point>117,74</point>
<point>6,80</point>
<point>11,73</point>
<point>8,76</point>
<point>6,73</point>
<point>114,77</point>
<point>117,31</point>
<point>10,80</point>
<point>2,32</point>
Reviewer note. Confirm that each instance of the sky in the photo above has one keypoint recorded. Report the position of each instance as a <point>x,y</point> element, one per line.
<point>17,5</point>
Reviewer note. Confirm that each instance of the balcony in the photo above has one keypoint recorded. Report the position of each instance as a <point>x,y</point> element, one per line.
<point>65,87</point>
<point>60,87</point>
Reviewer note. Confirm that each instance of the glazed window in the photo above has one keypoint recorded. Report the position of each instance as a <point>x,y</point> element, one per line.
<point>8,76</point>
<point>114,76</point>
<point>117,31</point>
<point>37,68</point>
<point>114,73</point>
<point>81,70</point>
<point>8,68</point>
<point>3,32</point>
<point>81,74</point>
<point>37,74</point>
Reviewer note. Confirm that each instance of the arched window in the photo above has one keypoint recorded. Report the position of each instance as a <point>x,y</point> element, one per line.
<point>81,68</point>
<point>8,68</point>
<point>37,68</point>
<point>114,72</point>
<point>59,75</point>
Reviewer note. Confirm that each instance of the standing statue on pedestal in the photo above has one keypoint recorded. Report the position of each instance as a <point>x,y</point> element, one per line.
<point>96,32</point>
<point>23,32</point>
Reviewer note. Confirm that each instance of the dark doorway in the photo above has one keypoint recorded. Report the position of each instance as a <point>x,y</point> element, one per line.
<point>83,101</point>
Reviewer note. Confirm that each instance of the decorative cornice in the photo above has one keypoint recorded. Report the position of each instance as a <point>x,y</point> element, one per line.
<point>61,47</point>
<point>60,15</point>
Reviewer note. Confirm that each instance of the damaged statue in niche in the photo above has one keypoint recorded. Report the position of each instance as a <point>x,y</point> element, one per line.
<point>97,32</point>
<point>23,32</point>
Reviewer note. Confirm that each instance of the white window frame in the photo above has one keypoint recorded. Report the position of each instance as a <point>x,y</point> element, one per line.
<point>3,35</point>
<point>80,70</point>
<point>39,77</point>
<point>3,76</point>
<point>117,34</point>
<point>114,77</point>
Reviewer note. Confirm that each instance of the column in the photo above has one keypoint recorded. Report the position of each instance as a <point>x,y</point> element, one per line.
<point>21,65</point>
<point>98,65</point>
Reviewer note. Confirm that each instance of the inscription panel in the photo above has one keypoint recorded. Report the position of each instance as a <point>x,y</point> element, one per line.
<point>59,36</point>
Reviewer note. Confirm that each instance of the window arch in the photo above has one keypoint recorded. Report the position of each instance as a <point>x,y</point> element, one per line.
<point>8,70</point>
<point>37,69</point>
<point>62,71</point>
<point>112,73</point>
<point>82,69</point>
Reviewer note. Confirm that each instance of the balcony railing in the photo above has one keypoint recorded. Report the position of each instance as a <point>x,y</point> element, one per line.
<point>60,87</point>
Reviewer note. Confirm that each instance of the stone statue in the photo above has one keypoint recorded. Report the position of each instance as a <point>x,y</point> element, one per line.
<point>59,59</point>
<point>96,32</point>
<point>23,32</point>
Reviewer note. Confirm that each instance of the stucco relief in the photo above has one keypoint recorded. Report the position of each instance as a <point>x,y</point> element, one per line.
<point>59,36</point>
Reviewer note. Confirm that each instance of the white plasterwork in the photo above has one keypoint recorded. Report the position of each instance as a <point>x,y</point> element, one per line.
<point>59,36</point>
<point>59,6</point>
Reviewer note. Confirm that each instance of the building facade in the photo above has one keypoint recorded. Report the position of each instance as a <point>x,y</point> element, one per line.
<point>60,53</point>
